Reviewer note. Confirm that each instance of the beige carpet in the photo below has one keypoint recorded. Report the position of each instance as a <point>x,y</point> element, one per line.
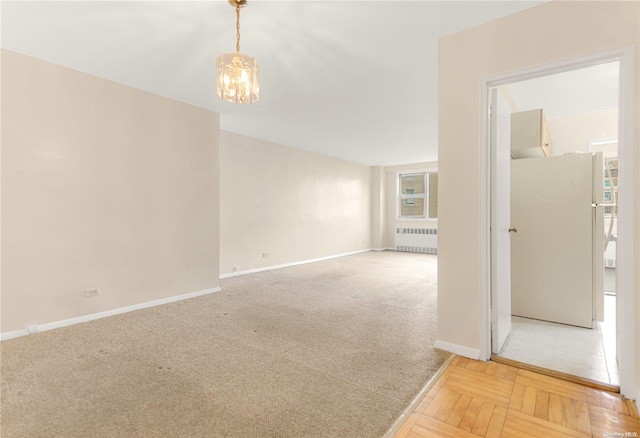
<point>337,348</point>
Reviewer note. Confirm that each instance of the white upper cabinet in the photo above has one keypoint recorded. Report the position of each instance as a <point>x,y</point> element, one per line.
<point>530,135</point>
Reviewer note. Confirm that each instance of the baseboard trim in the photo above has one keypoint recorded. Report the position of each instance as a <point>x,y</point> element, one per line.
<point>30,329</point>
<point>460,350</point>
<point>287,265</point>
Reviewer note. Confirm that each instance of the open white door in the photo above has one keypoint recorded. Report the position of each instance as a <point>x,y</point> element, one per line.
<point>552,254</point>
<point>500,132</point>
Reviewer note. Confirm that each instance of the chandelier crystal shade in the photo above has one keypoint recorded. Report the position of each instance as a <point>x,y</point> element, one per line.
<point>238,75</point>
<point>238,78</point>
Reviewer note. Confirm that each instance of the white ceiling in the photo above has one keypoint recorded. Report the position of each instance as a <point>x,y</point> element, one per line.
<point>571,93</point>
<point>355,80</point>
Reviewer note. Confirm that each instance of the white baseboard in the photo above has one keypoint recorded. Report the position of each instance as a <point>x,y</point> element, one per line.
<point>30,329</point>
<point>286,265</point>
<point>460,350</point>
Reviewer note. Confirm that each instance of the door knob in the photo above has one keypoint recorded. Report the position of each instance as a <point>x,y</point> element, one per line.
<point>513,230</point>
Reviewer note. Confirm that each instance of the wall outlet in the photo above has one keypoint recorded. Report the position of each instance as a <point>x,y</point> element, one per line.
<point>234,269</point>
<point>265,255</point>
<point>91,293</point>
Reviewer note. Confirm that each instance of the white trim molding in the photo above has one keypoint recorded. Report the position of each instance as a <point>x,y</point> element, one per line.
<point>30,329</point>
<point>626,305</point>
<point>625,282</point>
<point>460,350</point>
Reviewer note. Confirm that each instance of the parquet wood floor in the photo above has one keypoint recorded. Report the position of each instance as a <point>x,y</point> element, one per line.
<point>489,399</point>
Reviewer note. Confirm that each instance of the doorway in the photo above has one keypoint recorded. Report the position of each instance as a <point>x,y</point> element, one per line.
<point>509,85</point>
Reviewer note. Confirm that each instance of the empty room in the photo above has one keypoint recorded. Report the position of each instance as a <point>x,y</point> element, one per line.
<point>282,218</point>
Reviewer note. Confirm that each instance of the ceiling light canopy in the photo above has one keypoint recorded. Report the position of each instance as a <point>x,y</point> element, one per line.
<point>238,74</point>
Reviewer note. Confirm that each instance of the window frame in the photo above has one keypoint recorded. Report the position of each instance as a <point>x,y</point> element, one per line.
<point>425,196</point>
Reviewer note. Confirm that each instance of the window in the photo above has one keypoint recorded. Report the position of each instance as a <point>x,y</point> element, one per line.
<point>418,195</point>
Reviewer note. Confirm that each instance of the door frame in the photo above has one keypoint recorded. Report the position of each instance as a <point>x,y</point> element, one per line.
<point>625,280</point>
<point>499,221</point>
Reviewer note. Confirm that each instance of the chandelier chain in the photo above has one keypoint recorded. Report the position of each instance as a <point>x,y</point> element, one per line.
<point>238,28</point>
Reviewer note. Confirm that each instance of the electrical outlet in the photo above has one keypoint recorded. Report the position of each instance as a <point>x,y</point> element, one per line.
<point>265,255</point>
<point>91,293</point>
<point>234,269</point>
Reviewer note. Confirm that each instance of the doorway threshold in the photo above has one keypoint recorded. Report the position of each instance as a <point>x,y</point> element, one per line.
<point>557,374</point>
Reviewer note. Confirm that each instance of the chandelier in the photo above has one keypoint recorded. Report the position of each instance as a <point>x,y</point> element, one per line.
<point>238,74</point>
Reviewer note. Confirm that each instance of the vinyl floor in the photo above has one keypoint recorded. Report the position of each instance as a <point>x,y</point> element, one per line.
<point>582,352</point>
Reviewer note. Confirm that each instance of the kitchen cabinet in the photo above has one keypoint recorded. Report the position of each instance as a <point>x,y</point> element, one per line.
<point>530,136</point>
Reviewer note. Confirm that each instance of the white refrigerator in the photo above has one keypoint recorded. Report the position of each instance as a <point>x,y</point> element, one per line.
<point>557,253</point>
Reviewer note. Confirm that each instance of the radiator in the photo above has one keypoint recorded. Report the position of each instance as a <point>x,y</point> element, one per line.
<point>610,255</point>
<point>422,240</point>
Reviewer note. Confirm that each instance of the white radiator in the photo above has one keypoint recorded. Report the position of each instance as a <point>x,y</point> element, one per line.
<point>422,240</point>
<point>610,255</point>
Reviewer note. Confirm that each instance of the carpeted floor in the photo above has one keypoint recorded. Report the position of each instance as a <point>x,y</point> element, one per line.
<point>337,348</point>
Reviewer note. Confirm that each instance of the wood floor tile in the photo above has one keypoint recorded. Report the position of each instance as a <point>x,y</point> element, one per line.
<point>497,422</point>
<point>447,407</point>
<point>510,432</point>
<point>469,417</point>
<point>529,400</point>
<point>604,420</point>
<point>568,410</point>
<point>542,405</point>
<point>555,409</point>
<point>517,397</point>
<point>583,421</point>
<point>459,410</point>
<point>484,418</point>
<point>407,426</point>
<point>542,428</point>
<point>551,384</point>
<point>433,427</point>
<point>486,399</point>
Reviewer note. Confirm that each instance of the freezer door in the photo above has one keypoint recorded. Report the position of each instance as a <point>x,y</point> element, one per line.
<point>552,252</point>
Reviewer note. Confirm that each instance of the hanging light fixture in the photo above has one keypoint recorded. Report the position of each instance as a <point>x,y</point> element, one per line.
<point>238,74</point>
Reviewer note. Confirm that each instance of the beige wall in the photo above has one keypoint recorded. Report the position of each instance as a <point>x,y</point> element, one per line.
<point>573,133</point>
<point>103,186</point>
<point>551,32</point>
<point>379,199</point>
<point>282,205</point>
